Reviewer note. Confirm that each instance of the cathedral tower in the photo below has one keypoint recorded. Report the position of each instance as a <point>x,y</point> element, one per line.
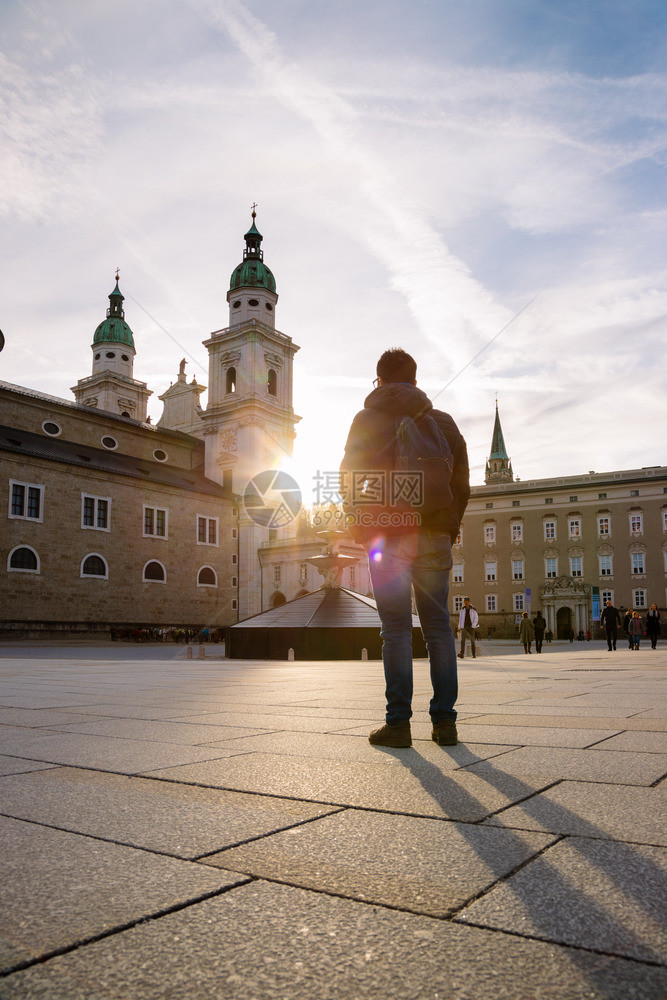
<point>498,465</point>
<point>249,420</point>
<point>111,386</point>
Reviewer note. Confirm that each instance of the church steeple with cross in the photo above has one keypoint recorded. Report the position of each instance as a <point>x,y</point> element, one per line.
<point>249,420</point>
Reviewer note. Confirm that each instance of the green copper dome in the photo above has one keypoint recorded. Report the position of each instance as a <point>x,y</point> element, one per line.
<point>252,272</point>
<point>114,329</point>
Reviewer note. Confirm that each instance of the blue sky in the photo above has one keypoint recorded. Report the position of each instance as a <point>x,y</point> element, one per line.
<point>424,171</point>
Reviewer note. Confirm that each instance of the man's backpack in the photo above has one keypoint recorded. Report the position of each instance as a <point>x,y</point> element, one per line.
<point>423,476</point>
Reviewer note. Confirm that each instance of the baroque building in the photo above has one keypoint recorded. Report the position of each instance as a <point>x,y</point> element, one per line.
<point>113,521</point>
<point>562,545</point>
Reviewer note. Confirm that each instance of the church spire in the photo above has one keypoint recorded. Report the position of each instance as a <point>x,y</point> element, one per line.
<point>498,465</point>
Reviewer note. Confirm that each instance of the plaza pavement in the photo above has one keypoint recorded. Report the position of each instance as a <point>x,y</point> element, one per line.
<point>209,829</point>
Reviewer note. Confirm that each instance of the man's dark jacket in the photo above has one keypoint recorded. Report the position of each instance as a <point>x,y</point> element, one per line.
<point>371,445</point>
<point>610,618</point>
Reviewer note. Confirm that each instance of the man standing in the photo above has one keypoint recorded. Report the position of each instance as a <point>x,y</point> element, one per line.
<point>611,622</point>
<point>468,622</point>
<point>408,549</point>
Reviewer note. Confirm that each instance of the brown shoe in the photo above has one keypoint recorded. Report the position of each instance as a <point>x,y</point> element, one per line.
<point>392,736</point>
<point>444,733</point>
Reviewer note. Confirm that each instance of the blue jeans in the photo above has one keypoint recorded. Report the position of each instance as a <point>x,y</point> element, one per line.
<point>423,560</point>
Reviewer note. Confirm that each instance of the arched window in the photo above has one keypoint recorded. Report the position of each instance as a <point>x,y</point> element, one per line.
<point>231,380</point>
<point>154,572</point>
<point>272,383</point>
<point>277,599</point>
<point>23,559</point>
<point>94,565</point>
<point>206,577</point>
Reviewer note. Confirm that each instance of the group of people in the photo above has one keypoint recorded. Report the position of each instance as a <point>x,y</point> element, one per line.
<point>633,625</point>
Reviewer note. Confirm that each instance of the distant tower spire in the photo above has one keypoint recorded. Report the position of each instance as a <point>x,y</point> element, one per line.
<point>498,465</point>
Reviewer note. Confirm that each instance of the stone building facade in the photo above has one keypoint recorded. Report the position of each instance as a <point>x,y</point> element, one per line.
<point>561,545</point>
<point>112,521</point>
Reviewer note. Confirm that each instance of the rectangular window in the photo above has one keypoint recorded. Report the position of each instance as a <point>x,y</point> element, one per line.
<point>276,574</point>
<point>664,520</point>
<point>155,522</point>
<point>95,512</point>
<point>457,573</point>
<point>303,573</point>
<point>235,582</point>
<point>605,565</point>
<point>458,603</point>
<point>517,532</point>
<point>25,500</point>
<point>639,598</point>
<point>235,559</point>
<point>549,529</point>
<point>517,569</point>
<point>235,604</point>
<point>519,602</point>
<point>488,506</point>
<point>638,567</point>
<point>353,577</point>
<point>234,532</point>
<point>491,570</point>
<point>489,533</point>
<point>634,493</point>
<point>602,496</point>
<point>574,527</point>
<point>207,530</point>
<point>576,566</point>
<point>573,499</point>
<point>516,503</point>
<point>604,526</point>
<point>491,602</point>
<point>607,595</point>
<point>551,568</point>
<point>548,499</point>
<point>636,523</point>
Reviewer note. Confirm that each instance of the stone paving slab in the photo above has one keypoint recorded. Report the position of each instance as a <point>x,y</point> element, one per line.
<point>162,732</point>
<point>642,742</point>
<point>59,888</point>
<point>37,718</point>
<point>567,709</point>
<point>337,747</point>
<point>106,753</point>
<point>19,765</point>
<point>273,722</point>
<point>572,722</point>
<point>413,784</point>
<point>593,893</point>
<point>423,865</point>
<point>589,809</point>
<point>612,766</point>
<point>181,820</point>
<point>315,947</point>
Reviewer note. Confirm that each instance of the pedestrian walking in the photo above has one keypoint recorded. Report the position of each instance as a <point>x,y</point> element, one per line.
<point>468,622</point>
<point>635,629</point>
<point>539,625</point>
<point>526,632</point>
<point>653,624</point>
<point>610,621</point>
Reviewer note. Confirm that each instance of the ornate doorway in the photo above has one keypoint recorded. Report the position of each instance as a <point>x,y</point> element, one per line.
<point>563,623</point>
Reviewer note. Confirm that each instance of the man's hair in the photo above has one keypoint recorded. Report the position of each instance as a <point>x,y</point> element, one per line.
<point>396,365</point>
